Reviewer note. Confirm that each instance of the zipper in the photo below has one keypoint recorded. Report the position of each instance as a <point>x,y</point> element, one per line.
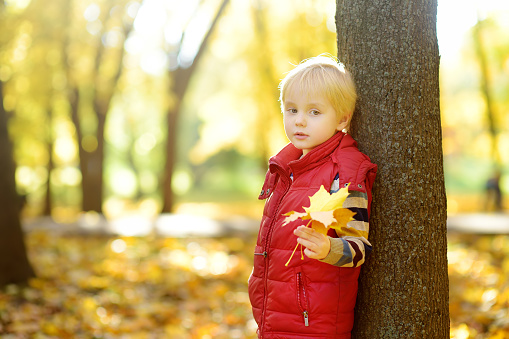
<point>266,254</point>
<point>301,287</point>
<point>271,226</point>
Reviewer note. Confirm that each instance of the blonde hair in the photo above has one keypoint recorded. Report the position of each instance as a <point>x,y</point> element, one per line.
<point>325,75</point>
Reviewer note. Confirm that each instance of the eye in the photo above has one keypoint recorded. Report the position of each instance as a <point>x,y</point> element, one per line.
<point>314,112</point>
<point>292,110</point>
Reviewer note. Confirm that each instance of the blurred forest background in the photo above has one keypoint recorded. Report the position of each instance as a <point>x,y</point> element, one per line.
<point>120,106</point>
<point>137,108</point>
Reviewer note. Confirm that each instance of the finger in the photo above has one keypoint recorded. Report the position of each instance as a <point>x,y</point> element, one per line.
<point>305,231</point>
<point>316,251</point>
<point>310,254</point>
<point>312,236</point>
<point>313,246</point>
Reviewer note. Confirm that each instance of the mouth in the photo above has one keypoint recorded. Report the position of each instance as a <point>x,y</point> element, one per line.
<point>300,135</point>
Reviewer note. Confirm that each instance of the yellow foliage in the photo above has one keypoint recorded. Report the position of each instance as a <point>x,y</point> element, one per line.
<point>479,290</point>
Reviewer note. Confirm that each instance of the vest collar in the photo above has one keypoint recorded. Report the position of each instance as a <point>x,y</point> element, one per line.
<point>290,159</point>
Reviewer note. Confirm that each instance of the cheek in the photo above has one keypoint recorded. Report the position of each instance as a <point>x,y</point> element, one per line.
<point>287,122</point>
<point>287,128</point>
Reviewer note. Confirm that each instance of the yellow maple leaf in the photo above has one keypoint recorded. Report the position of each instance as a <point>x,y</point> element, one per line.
<point>325,211</point>
<point>324,201</point>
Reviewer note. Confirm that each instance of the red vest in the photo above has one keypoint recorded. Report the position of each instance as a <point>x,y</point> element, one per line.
<point>306,292</point>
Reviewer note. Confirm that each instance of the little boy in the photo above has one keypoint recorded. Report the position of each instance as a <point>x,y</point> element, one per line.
<point>314,297</point>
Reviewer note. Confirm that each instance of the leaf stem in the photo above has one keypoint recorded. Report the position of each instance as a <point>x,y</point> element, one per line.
<point>301,251</point>
<point>292,254</point>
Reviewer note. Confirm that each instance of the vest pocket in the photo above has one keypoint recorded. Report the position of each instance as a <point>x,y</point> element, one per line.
<point>259,261</point>
<point>302,299</point>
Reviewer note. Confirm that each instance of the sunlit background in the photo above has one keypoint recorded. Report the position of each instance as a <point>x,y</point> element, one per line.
<point>121,65</point>
<point>228,121</point>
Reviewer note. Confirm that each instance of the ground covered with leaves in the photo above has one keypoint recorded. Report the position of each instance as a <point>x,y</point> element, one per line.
<point>127,287</point>
<point>151,287</point>
<point>479,286</point>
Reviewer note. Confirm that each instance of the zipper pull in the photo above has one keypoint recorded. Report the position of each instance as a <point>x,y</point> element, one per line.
<point>265,254</point>
<point>306,318</point>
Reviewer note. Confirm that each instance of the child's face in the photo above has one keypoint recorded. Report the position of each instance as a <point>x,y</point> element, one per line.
<point>309,118</point>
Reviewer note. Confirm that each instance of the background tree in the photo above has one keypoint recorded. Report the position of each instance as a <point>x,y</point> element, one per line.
<point>477,37</point>
<point>14,265</point>
<point>268,104</point>
<point>473,85</point>
<point>182,67</point>
<point>64,66</point>
<point>44,36</point>
<point>91,92</point>
<point>239,114</point>
<point>391,49</point>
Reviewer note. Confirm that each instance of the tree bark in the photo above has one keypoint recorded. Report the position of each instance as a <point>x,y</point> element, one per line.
<point>14,265</point>
<point>392,51</point>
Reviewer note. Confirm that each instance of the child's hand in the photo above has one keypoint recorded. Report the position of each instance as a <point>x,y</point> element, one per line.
<point>317,244</point>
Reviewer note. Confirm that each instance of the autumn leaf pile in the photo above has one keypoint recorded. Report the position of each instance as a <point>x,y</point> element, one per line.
<point>98,287</point>
<point>93,287</point>
<point>479,286</point>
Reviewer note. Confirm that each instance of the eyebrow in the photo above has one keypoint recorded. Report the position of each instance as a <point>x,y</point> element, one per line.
<point>315,104</point>
<point>311,104</point>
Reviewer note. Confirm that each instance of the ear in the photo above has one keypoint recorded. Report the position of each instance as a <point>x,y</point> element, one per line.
<point>343,122</point>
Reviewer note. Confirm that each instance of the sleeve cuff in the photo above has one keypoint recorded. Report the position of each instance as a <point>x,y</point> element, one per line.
<point>336,251</point>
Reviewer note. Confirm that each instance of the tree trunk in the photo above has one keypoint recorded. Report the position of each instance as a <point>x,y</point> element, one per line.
<point>171,156</point>
<point>392,51</point>
<point>92,164</point>
<point>14,265</point>
<point>48,206</point>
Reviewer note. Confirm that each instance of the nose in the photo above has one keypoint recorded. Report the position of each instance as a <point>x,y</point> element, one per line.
<point>300,120</point>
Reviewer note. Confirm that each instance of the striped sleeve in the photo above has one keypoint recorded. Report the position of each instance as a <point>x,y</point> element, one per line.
<point>352,250</point>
